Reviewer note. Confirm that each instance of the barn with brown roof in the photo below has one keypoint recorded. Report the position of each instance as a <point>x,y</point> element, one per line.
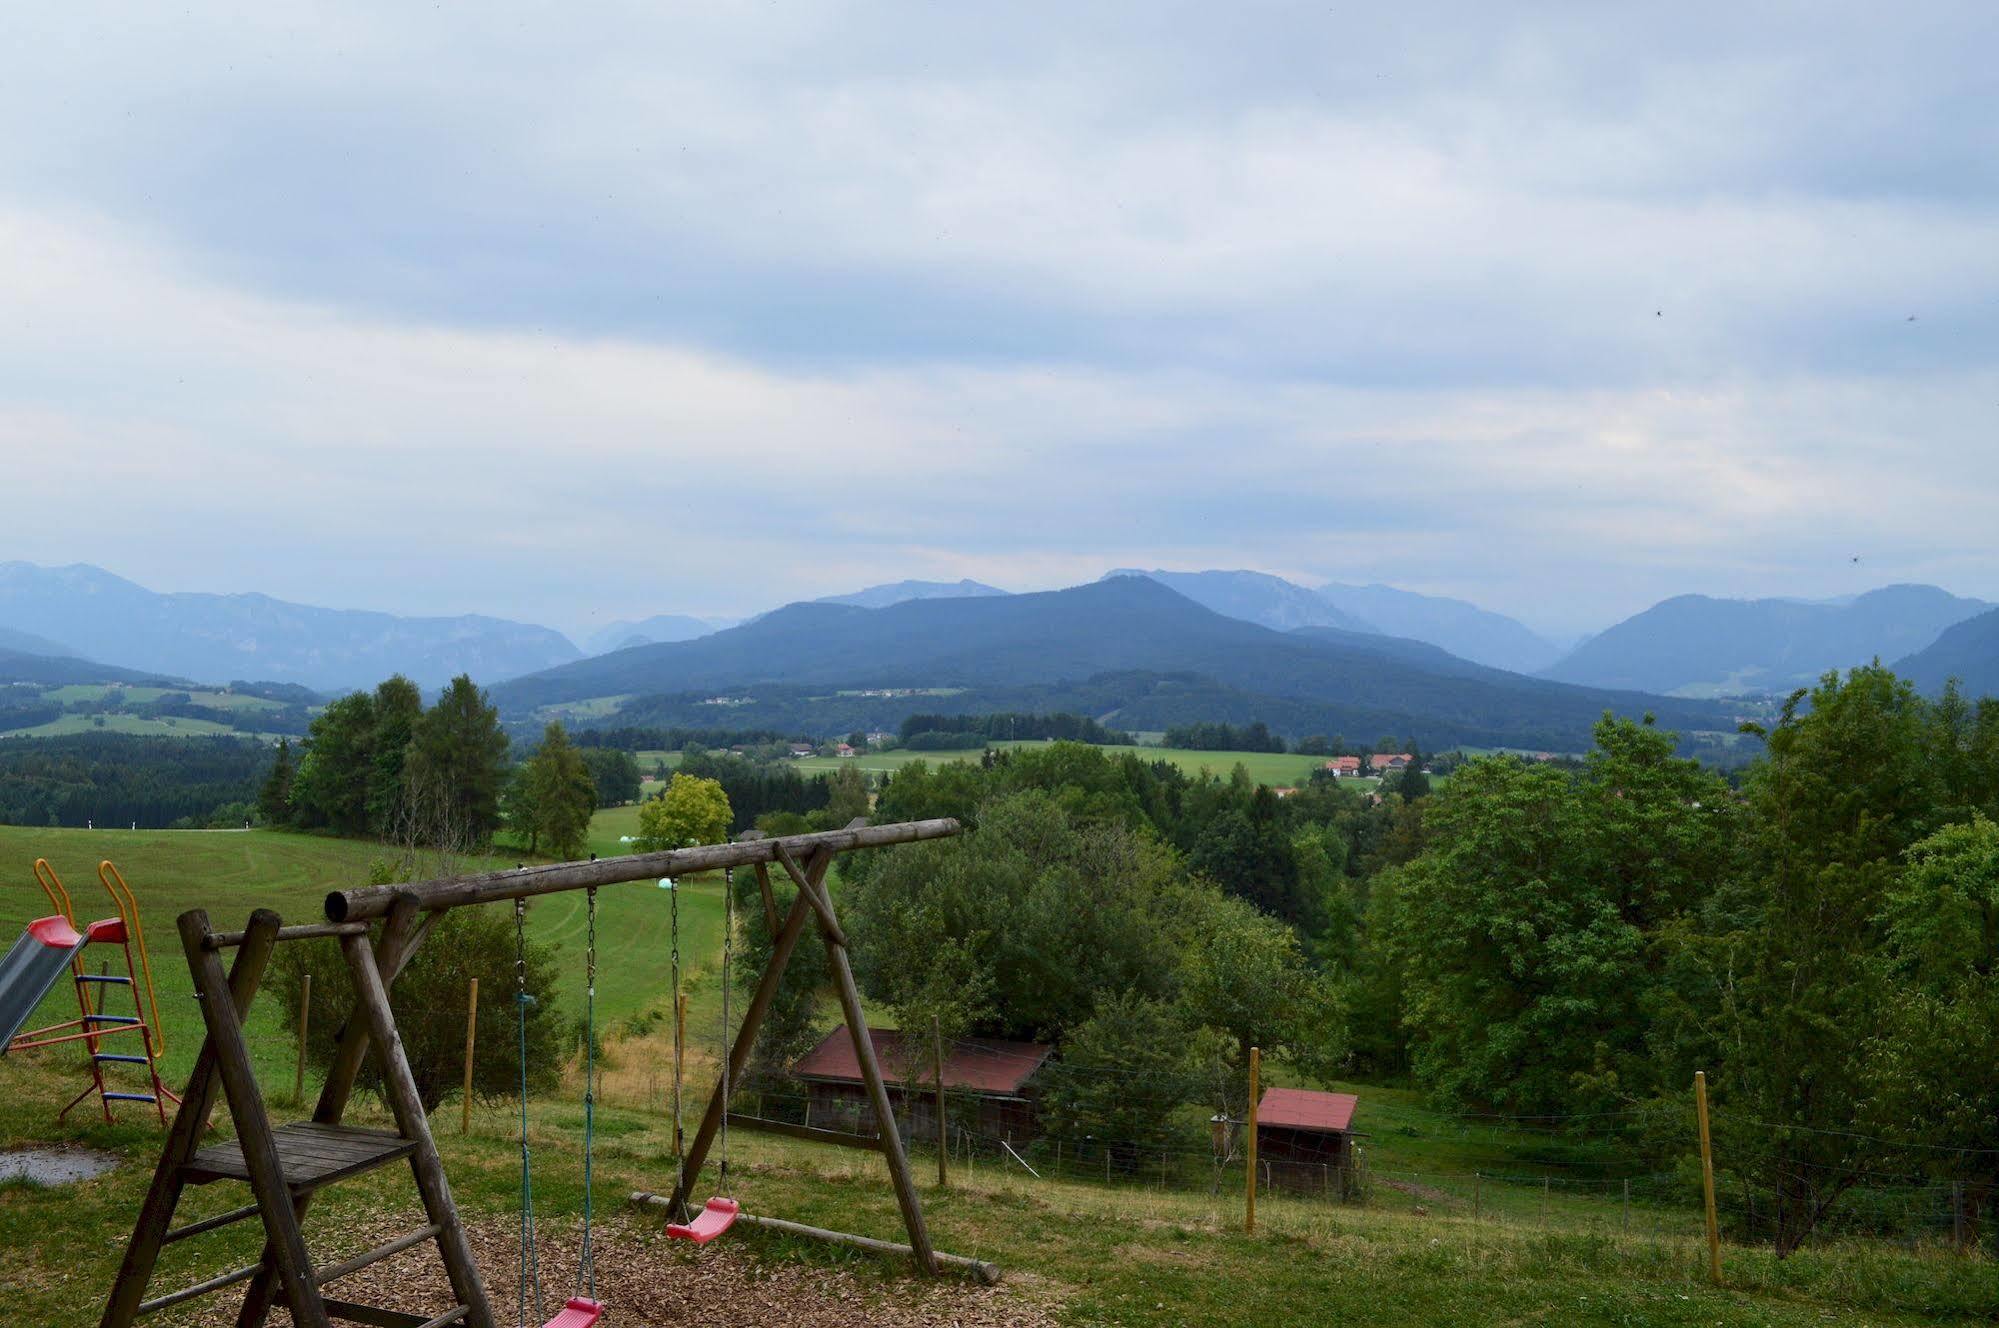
<point>989,1083</point>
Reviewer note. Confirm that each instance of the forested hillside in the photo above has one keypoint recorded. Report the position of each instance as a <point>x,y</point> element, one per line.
<point>1150,657</point>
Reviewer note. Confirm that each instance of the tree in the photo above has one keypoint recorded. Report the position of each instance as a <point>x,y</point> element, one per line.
<point>1935,1063</point>
<point>429,1004</point>
<point>398,708</point>
<point>1245,977</point>
<point>1776,984</point>
<point>558,796</point>
<point>615,772</point>
<point>1527,922</point>
<point>1124,1073</point>
<point>274,798</point>
<point>459,755</point>
<point>691,810</point>
<point>849,799</point>
<point>330,788</point>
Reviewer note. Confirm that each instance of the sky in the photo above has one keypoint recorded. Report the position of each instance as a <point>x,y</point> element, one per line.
<point>581,313</point>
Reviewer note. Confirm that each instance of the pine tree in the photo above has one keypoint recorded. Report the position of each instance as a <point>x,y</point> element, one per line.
<point>274,799</point>
<point>458,763</point>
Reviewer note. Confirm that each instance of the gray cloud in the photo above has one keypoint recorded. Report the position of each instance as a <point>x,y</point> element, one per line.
<point>1479,299</point>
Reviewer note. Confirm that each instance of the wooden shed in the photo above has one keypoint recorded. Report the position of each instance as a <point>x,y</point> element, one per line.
<point>989,1084</point>
<point>1304,1138</point>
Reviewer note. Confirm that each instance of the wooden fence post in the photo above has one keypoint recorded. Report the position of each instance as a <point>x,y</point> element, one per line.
<point>937,1046</point>
<point>304,1020</point>
<point>1626,1224</point>
<point>471,1040</point>
<point>1707,1177</point>
<point>1249,1197</point>
<point>1477,1193</point>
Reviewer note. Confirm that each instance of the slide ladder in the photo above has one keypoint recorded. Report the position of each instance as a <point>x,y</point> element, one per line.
<point>35,964</point>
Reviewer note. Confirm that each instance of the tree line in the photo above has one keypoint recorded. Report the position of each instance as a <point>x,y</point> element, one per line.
<point>122,779</point>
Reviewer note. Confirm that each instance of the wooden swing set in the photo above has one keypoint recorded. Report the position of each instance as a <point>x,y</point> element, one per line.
<point>284,1165</point>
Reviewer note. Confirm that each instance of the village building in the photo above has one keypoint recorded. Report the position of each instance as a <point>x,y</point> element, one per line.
<point>1344,767</point>
<point>990,1084</point>
<point>1384,761</point>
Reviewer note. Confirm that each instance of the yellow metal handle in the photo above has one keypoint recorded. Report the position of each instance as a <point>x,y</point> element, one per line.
<point>128,909</point>
<point>51,884</point>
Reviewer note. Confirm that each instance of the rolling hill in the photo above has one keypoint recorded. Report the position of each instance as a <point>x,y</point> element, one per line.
<point>66,670</point>
<point>254,636</point>
<point>1068,640</point>
<point>1967,651</point>
<point>1697,645</point>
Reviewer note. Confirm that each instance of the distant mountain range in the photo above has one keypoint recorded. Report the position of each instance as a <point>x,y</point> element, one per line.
<point>1350,683</point>
<point>900,592</point>
<point>1967,651</point>
<point>1697,645</point>
<point>1463,629</point>
<point>646,631</point>
<point>215,637</point>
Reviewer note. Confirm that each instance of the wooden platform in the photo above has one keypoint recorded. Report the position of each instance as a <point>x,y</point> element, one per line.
<point>309,1154</point>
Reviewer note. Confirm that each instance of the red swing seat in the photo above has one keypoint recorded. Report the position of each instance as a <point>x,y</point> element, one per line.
<point>578,1313</point>
<point>710,1222</point>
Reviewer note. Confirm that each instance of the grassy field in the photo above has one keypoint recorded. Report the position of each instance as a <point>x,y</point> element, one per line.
<point>1278,769</point>
<point>1421,1250</point>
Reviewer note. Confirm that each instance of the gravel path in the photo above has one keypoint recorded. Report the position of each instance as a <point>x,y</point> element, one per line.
<point>645,1279</point>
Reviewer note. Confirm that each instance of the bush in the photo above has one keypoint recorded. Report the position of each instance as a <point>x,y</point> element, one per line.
<point>429,1004</point>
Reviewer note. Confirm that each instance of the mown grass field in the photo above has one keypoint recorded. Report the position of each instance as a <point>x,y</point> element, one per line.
<point>1278,769</point>
<point>1126,1253</point>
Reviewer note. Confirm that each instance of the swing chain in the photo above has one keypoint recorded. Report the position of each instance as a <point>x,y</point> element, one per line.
<point>728,949</point>
<point>530,1265</point>
<point>586,1267</point>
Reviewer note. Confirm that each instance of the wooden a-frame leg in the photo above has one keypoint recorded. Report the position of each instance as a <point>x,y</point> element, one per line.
<point>142,1252</point>
<point>394,948</point>
<point>253,1124</point>
<point>413,1124</point>
<point>864,1053</point>
<point>782,946</point>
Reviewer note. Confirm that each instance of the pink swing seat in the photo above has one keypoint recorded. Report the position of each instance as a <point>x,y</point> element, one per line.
<point>578,1313</point>
<point>710,1222</point>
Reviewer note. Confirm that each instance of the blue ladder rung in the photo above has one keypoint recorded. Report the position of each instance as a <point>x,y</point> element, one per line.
<point>121,1059</point>
<point>104,977</point>
<point>130,1097</point>
<point>112,1018</point>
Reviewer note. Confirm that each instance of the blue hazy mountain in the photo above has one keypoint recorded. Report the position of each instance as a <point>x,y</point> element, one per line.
<point>899,592</point>
<point>1463,628</point>
<point>212,637</point>
<point>1699,645</point>
<point>1258,597</point>
<point>1967,651</point>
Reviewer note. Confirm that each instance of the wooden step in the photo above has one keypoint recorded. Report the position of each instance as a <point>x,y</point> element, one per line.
<point>309,1155</point>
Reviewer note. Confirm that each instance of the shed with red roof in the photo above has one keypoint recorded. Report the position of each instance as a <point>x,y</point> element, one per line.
<point>990,1083</point>
<point>1304,1138</point>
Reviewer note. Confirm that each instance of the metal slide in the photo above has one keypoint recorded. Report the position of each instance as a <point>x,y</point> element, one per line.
<point>38,960</point>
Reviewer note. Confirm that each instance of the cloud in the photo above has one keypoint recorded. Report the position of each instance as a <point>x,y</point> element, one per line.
<point>578,317</point>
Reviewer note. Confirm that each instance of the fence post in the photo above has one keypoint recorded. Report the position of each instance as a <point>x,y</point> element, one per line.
<point>1544,1200</point>
<point>1957,1216</point>
<point>304,1019</point>
<point>1477,1193</point>
<point>1249,1201</point>
<point>1707,1177</point>
<point>471,1037</point>
<point>937,1047</point>
<point>1626,1224</point>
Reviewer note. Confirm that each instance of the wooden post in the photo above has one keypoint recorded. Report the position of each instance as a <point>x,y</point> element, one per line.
<point>189,1129</point>
<point>284,1243</point>
<point>1477,1194</point>
<point>1249,1197</point>
<point>1544,1201</point>
<point>1707,1178</point>
<point>471,1041</point>
<point>1626,1223</point>
<point>304,1018</point>
<point>937,1046</point>
<point>452,1247</point>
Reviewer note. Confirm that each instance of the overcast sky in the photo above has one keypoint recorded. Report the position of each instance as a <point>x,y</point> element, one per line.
<point>503,308</point>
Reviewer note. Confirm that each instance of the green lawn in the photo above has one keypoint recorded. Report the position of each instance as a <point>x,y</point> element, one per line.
<point>1278,769</point>
<point>154,728</point>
